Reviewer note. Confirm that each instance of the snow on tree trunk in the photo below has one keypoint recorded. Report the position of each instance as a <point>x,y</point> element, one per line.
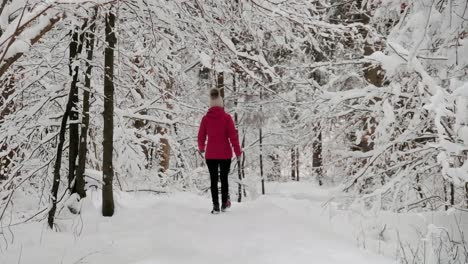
<point>7,153</point>
<point>58,160</point>
<point>164,152</point>
<point>293,164</point>
<point>83,146</point>
<point>76,47</point>
<point>317,154</point>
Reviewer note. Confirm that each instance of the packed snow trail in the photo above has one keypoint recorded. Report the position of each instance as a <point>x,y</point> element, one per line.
<point>178,228</point>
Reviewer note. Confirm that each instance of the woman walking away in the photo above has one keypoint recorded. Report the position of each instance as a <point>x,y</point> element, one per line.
<point>218,126</point>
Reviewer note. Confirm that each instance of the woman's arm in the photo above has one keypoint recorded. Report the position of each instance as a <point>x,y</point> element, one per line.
<point>202,136</point>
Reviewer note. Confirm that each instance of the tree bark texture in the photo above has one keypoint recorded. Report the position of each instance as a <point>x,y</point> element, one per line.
<point>83,145</point>
<point>107,166</point>
<point>58,159</point>
<point>317,161</point>
<point>76,47</point>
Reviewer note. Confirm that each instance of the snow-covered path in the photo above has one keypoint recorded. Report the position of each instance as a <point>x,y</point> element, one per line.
<point>178,228</point>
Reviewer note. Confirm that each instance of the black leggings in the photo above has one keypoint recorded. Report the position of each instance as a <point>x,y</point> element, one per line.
<point>222,166</point>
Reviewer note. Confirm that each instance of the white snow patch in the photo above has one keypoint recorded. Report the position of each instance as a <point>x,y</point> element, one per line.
<point>206,60</point>
<point>288,226</point>
<point>462,90</point>
<point>390,63</point>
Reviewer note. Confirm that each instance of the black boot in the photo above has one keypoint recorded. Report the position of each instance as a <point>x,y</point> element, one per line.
<point>215,209</point>
<point>225,205</point>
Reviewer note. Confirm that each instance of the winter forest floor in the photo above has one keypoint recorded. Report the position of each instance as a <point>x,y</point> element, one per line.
<point>287,226</point>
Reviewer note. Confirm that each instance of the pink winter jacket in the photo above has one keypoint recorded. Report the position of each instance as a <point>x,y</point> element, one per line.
<point>218,126</point>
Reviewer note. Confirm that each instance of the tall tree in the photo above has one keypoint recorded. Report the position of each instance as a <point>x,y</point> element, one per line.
<point>261,146</point>
<point>108,142</point>
<point>61,141</point>
<point>76,47</point>
<point>295,163</point>
<point>79,180</point>
<point>317,154</point>
<point>164,151</point>
<point>236,121</point>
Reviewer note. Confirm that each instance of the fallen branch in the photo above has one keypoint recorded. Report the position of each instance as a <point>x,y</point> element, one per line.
<point>413,205</point>
<point>146,190</point>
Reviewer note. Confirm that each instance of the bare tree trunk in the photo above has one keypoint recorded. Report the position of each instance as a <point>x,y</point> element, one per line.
<point>140,88</point>
<point>449,190</point>
<point>294,149</point>
<point>261,162</point>
<point>236,121</point>
<point>297,164</point>
<point>445,195</point>
<point>165,154</point>
<point>374,74</point>
<point>58,160</point>
<point>261,147</point>
<point>317,162</point>
<point>76,47</point>
<point>165,149</point>
<point>57,166</point>
<point>293,163</point>
<point>220,83</point>
<point>275,173</point>
<point>243,162</point>
<point>452,194</point>
<point>79,181</point>
<point>239,187</point>
<point>466,193</point>
<point>462,120</point>
<point>107,167</point>
<point>6,161</point>
<point>419,189</point>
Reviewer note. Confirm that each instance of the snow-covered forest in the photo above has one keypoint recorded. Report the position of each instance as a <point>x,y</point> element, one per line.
<point>352,117</point>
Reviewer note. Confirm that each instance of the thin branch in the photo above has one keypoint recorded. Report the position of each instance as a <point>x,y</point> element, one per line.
<point>10,61</point>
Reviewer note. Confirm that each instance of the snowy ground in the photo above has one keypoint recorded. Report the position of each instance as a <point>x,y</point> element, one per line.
<point>287,226</point>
